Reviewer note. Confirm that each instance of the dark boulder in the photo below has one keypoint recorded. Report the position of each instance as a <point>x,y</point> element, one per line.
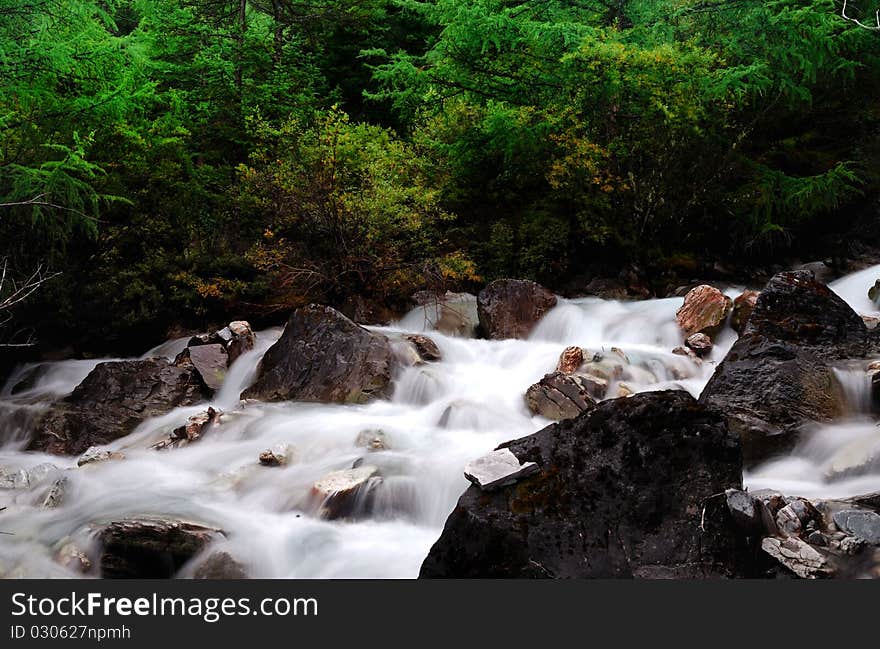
<point>220,565</point>
<point>112,400</point>
<point>210,361</point>
<point>743,306</point>
<point>236,338</point>
<point>151,549</point>
<point>324,356</point>
<point>777,377</point>
<point>633,488</point>
<point>510,308</point>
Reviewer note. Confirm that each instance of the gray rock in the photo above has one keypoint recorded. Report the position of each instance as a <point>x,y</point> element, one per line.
<point>210,362</point>
<point>55,496</point>
<point>796,555</point>
<point>346,493</point>
<point>220,565</point>
<point>323,356</point>
<point>498,469</point>
<point>94,454</point>
<point>860,523</point>
<point>373,440</point>
<point>745,510</point>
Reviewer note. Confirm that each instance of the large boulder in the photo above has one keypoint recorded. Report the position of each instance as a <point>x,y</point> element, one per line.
<point>210,361</point>
<point>112,400</point>
<point>628,489</point>
<point>454,314</point>
<point>151,549</point>
<point>778,377</point>
<point>510,308</point>
<point>324,356</point>
<point>704,311</point>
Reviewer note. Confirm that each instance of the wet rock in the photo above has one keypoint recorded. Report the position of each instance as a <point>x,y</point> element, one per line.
<point>243,339</point>
<point>700,344</point>
<point>93,455</point>
<point>874,292</point>
<point>55,496</point>
<point>220,565</point>
<point>279,455</point>
<point>426,348</point>
<point>73,558</point>
<point>236,338</point>
<point>745,510</point>
<point>870,321</point>
<point>559,396</point>
<point>19,478</point>
<point>454,314</point>
<point>373,440</point>
<point>705,310</point>
<point>193,430</point>
<point>793,519</point>
<point>498,469</point>
<point>861,523</point>
<point>346,493</point>
<point>324,356</point>
<point>151,549</point>
<point>112,400</point>
<point>510,308</point>
<point>743,306</point>
<point>688,353</point>
<point>869,501</point>
<point>796,555</point>
<point>629,489</point>
<point>778,376</point>
<point>570,360</point>
<point>623,390</point>
<point>210,361</point>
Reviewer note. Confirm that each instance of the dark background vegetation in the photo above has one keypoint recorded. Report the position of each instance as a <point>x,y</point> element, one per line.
<point>186,162</point>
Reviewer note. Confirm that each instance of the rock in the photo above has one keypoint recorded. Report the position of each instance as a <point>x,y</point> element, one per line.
<point>194,428</point>
<point>745,510</point>
<point>454,314</point>
<point>705,310</point>
<point>874,292</point>
<point>688,353</point>
<point>210,361</point>
<point>628,489</point>
<point>623,390</point>
<point>236,338</point>
<point>498,469</point>
<point>324,356</point>
<point>55,496</point>
<point>869,501</point>
<point>559,396</point>
<point>425,347</point>
<point>862,524</point>
<point>799,557</point>
<point>570,360</point>
<point>151,549</point>
<point>778,376</point>
<point>19,478</point>
<point>112,400</point>
<point>794,517</point>
<point>822,271</point>
<point>72,558</point>
<point>220,565</point>
<point>278,455</point>
<point>346,493</point>
<point>870,321</point>
<point>242,341</point>
<point>510,308</point>
<point>700,344</point>
<point>373,440</point>
<point>93,455</point>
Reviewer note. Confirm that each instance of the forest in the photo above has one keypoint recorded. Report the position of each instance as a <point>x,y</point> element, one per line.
<point>168,164</point>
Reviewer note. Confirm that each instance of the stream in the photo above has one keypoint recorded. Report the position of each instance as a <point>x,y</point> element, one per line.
<point>440,416</point>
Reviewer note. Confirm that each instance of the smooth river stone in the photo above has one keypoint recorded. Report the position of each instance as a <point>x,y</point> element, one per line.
<point>860,523</point>
<point>498,469</point>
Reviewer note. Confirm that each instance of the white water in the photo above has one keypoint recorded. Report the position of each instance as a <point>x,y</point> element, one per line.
<point>440,416</point>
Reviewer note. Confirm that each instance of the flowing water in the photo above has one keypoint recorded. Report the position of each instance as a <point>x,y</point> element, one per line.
<point>440,416</point>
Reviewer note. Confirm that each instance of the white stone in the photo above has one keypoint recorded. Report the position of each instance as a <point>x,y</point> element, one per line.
<point>345,480</point>
<point>799,557</point>
<point>498,469</point>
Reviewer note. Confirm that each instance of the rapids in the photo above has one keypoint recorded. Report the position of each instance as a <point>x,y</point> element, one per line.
<point>440,416</point>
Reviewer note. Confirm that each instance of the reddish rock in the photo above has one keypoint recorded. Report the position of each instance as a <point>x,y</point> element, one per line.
<point>742,309</point>
<point>570,360</point>
<point>704,311</point>
<point>559,396</point>
<point>700,344</point>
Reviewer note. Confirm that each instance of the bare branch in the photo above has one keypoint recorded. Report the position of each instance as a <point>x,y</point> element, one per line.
<point>875,27</point>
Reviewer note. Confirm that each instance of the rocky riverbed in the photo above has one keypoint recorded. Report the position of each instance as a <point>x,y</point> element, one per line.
<point>727,433</point>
